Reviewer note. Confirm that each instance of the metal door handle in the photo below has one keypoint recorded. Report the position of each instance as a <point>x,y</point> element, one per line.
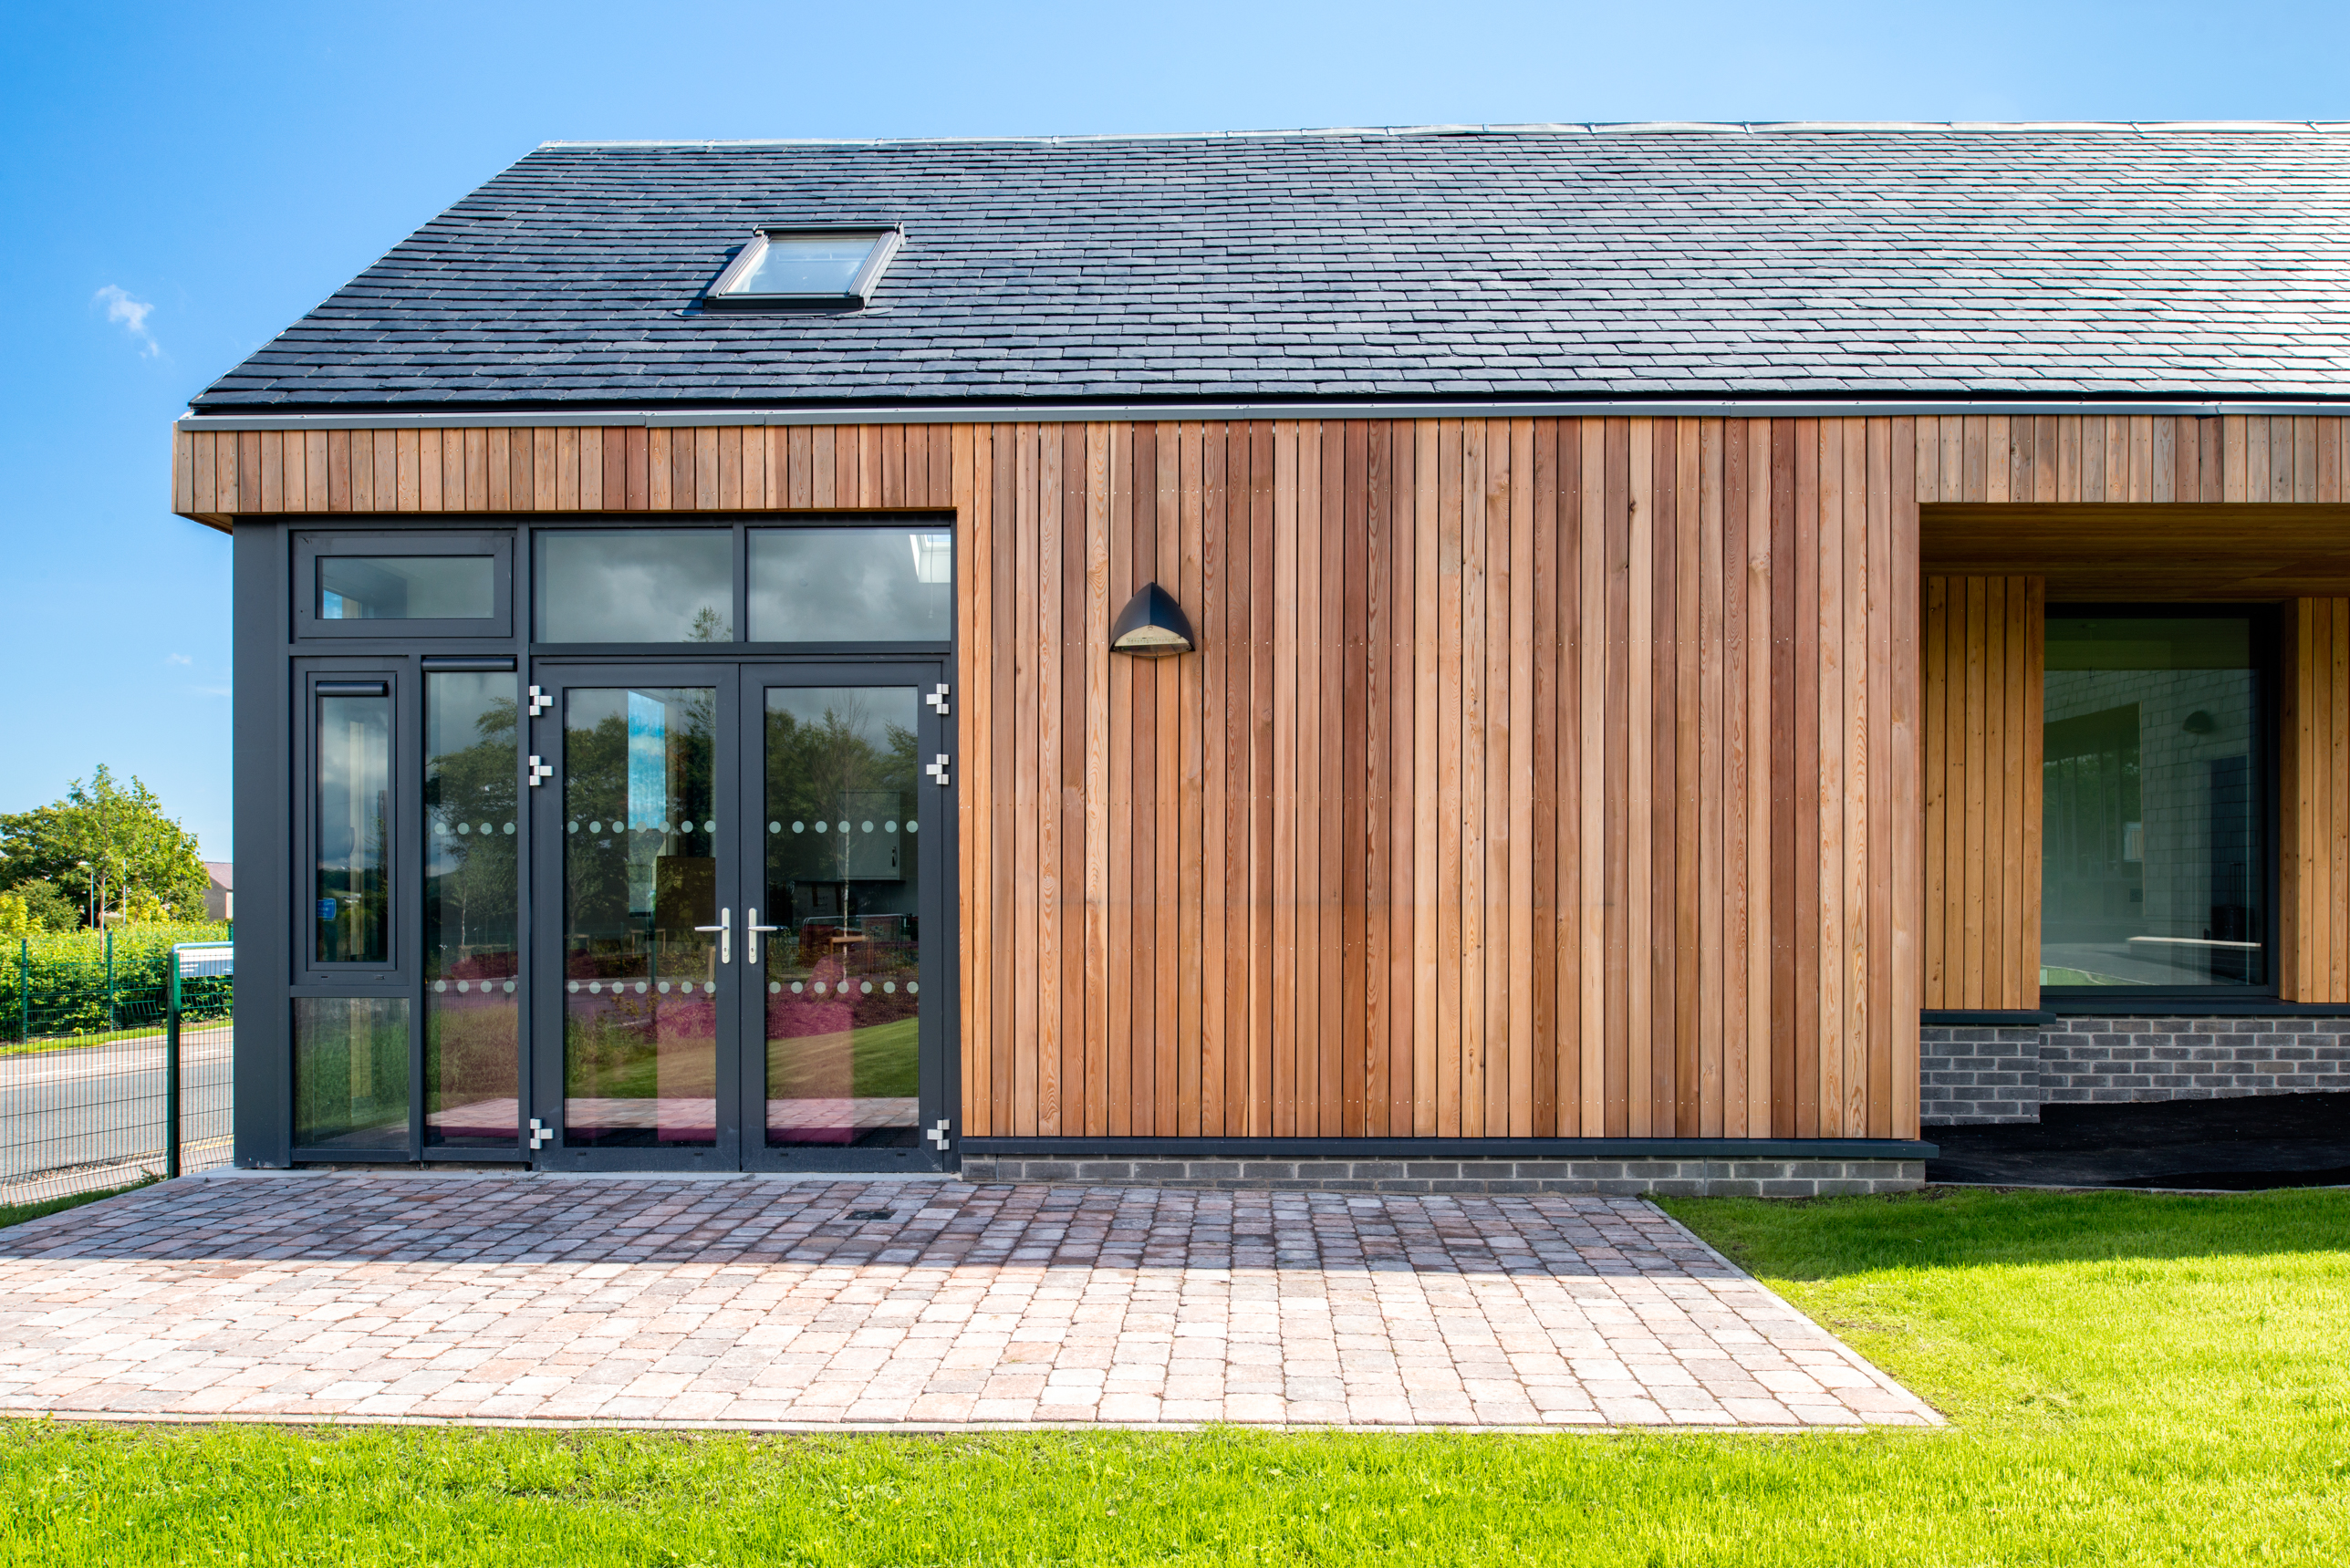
<point>725,930</point>
<point>751,929</point>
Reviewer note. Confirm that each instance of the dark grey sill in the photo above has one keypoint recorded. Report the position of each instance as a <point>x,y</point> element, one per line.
<point>1311,1148</point>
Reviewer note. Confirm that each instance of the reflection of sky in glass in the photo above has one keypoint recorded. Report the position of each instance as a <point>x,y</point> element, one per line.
<point>807,264</point>
<point>406,588</point>
<point>636,584</point>
<point>850,584</point>
<point>648,761</point>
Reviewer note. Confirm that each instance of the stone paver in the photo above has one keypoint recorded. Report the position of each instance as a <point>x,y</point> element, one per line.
<point>757,1302</point>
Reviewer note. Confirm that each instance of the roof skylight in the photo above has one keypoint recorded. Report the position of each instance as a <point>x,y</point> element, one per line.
<point>804,265</point>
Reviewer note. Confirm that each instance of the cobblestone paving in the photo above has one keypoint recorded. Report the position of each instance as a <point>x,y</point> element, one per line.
<point>756,1302</point>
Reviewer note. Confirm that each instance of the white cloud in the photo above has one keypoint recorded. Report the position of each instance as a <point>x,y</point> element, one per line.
<point>177,659</point>
<point>131,314</point>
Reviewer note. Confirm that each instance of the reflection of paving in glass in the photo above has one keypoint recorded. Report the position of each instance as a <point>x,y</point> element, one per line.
<point>674,1117</point>
<point>481,1118</point>
<point>850,1116</point>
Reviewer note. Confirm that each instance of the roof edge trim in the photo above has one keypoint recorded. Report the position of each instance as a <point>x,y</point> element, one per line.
<point>1281,409</point>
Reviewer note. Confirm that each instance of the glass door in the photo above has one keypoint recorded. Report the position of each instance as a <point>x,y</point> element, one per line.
<point>640,968</point>
<point>844,1042</point>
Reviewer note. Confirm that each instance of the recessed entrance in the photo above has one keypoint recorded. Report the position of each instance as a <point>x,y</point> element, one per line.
<point>746,861</point>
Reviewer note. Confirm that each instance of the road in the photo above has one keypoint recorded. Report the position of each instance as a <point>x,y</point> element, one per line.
<point>93,1116</point>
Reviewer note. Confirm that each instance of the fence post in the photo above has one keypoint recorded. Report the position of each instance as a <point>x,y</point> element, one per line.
<point>172,1075</point>
<point>25,989</point>
<point>109,980</point>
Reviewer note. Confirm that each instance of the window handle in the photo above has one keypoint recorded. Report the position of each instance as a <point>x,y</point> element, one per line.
<point>725,930</point>
<point>751,929</point>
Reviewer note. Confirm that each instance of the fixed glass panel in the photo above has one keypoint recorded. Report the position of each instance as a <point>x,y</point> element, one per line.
<point>851,585</point>
<point>407,587</point>
<point>842,971</point>
<point>2155,788</point>
<point>353,830</point>
<point>641,837</point>
<point>822,265</point>
<point>472,965</point>
<point>350,1072</point>
<point>636,584</point>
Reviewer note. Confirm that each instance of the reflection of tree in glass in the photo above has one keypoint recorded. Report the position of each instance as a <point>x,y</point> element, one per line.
<point>811,763</point>
<point>473,874</point>
<point>710,626</point>
<point>595,789</point>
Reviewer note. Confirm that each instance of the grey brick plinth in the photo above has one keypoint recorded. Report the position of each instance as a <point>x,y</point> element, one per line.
<point>2007,1075</point>
<point>1686,1177</point>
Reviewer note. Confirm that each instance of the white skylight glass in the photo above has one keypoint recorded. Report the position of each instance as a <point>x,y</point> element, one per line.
<point>805,267</point>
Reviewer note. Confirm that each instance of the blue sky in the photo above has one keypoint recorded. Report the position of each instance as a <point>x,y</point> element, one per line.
<point>181,181</point>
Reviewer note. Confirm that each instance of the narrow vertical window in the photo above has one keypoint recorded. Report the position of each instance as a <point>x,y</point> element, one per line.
<point>471,963</point>
<point>353,823</point>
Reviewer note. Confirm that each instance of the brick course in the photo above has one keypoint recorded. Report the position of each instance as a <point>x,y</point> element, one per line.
<point>1973,1075</point>
<point>1623,1177</point>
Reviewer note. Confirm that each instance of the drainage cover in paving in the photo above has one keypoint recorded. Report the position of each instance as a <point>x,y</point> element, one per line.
<point>759,1302</point>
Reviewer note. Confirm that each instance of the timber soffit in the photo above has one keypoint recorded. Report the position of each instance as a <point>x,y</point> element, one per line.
<point>2146,264</point>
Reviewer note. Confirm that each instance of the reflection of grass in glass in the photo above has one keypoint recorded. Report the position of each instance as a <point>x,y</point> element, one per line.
<point>620,1057</point>
<point>350,1072</point>
<point>470,1050</point>
<point>880,1062</point>
<point>2053,974</point>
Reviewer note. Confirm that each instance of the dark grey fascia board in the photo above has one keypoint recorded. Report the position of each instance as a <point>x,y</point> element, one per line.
<point>1063,412</point>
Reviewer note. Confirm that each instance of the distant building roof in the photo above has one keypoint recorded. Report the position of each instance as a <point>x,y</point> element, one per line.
<point>1554,262</point>
<point>223,873</point>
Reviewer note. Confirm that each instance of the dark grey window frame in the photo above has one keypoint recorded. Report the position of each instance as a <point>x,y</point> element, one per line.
<point>888,239</point>
<point>2137,1000</point>
<point>311,544</point>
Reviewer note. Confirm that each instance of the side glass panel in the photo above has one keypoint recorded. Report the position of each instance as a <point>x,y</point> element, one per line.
<point>350,1072</point>
<point>407,587</point>
<point>352,886</point>
<point>2155,827</point>
<point>640,874</point>
<point>471,966</point>
<point>842,880</point>
<point>636,584</point>
<point>851,585</point>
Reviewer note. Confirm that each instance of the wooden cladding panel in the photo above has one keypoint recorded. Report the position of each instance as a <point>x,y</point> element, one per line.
<point>2314,723</point>
<point>1984,651</point>
<point>1474,812</point>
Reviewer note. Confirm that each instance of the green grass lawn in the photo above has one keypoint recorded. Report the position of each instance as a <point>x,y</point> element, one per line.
<point>2131,1378</point>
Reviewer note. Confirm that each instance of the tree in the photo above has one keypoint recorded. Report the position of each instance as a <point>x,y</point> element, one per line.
<point>137,857</point>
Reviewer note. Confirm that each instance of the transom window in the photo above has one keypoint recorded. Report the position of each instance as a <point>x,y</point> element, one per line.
<point>805,267</point>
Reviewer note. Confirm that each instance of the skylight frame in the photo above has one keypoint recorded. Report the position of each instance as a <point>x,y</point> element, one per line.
<point>887,238</point>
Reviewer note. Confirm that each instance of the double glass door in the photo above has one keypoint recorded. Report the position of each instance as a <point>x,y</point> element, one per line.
<point>745,860</point>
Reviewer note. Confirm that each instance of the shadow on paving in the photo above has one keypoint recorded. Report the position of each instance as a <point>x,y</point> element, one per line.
<point>722,1223</point>
<point>2239,1144</point>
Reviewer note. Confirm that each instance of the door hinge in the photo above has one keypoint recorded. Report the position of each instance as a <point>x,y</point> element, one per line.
<point>539,772</point>
<point>539,701</point>
<point>938,770</point>
<point>540,1133</point>
<point>938,699</point>
<point>937,1135</point>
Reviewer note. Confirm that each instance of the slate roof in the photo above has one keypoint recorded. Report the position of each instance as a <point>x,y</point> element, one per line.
<point>1554,262</point>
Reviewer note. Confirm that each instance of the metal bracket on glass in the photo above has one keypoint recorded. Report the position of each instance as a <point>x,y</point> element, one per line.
<point>938,770</point>
<point>539,772</point>
<point>937,1135</point>
<point>540,1133</point>
<point>725,930</point>
<point>938,699</point>
<point>539,701</point>
<point>751,929</point>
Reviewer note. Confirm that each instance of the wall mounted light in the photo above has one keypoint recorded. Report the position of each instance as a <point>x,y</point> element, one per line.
<point>1151,626</point>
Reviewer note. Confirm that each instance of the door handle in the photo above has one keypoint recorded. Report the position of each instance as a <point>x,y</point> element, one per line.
<point>751,929</point>
<point>725,930</point>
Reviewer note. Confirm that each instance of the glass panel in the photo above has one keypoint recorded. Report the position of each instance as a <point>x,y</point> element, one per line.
<point>807,264</point>
<point>407,587</point>
<point>843,982</point>
<point>471,1014</point>
<point>640,873</point>
<point>637,584</point>
<point>350,1072</point>
<point>354,806</point>
<point>2154,837</point>
<point>851,585</point>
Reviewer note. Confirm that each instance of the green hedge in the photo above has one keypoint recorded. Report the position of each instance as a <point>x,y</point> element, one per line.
<point>57,984</point>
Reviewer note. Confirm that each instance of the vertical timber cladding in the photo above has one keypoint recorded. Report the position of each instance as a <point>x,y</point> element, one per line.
<point>2313,731</point>
<point>1535,777</point>
<point>1984,653</point>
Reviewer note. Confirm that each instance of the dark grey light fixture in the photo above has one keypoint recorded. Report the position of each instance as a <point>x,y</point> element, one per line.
<point>1151,626</point>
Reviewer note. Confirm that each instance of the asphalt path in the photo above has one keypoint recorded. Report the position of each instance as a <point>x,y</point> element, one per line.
<point>92,1114</point>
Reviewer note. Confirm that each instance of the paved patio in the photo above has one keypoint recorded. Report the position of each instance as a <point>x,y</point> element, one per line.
<point>762,1303</point>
